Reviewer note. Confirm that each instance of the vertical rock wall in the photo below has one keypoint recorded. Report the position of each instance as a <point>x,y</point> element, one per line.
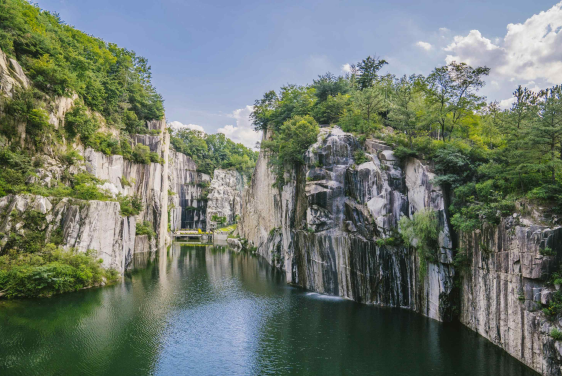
<point>331,226</point>
<point>187,202</point>
<point>225,195</point>
<point>503,289</point>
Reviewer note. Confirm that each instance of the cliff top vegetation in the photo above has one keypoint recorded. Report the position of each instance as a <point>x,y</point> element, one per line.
<point>489,159</point>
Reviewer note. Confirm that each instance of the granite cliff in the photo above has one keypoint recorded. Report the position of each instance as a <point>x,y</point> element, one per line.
<point>333,228</point>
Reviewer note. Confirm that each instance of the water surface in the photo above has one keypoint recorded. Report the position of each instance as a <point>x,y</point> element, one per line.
<point>207,311</point>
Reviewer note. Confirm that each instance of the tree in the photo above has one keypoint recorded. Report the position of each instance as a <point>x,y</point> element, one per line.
<point>330,110</point>
<point>451,93</point>
<point>329,85</point>
<point>370,102</point>
<point>288,145</point>
<point>545,135</point>
<point>523,106</point>
<point>402,113</point>
<point>367,71</point>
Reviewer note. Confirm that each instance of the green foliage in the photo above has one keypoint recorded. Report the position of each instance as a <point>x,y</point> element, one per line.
<point>130,206</point>
<point>141,154</point>
<point>367,71</point>
<point>77,122</point>
<point>146,228</point>
<point>360,157</point>
<point>214,151</point>
<point>61,60</point>
<point>547,251</point>
<point>556,334</point>
<point>421,232</point>
<point>25,108</point>
<point>71,158</point>
<point>218,219</point>
<point>50,270</point>
<point>288,145</point>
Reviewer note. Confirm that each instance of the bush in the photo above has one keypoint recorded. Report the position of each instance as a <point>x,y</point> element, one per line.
<point>50,271</point>
<point>360,157</point>
<point>71,157</point>
<point>556,334</point>
<point>141,154</point>
<point>421,232</point>
<point>130,206</point>
<point>78,123</point>
<point>145,228</point>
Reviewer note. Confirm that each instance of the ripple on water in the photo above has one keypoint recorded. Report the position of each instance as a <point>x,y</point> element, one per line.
<point>209,312</point>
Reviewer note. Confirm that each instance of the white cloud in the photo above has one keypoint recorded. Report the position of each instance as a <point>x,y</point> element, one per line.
<point>178,125</point>
<point>529,51</point>
<point>426,46</point>
<point>243,132</point>
<point>506,103</point>
<point>346,68</point>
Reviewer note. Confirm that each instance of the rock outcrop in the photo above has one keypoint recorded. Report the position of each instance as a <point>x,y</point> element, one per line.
<point>225,195</point>
<point>503,290</point>
<point>332,227</point>
<point>83,225</point>
<point>187,200</point>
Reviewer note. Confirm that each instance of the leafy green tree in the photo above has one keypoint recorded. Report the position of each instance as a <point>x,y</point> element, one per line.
<point>288,145</point>
<point>545,135</point>
<point>402,115</point>
<point>367,71</point>
<point>330,110</point>
<point>371,101</point>
<point>328,85</point>
<point>451,93</point>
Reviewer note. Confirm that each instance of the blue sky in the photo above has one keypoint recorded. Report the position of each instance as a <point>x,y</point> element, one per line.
<point>211,59</point>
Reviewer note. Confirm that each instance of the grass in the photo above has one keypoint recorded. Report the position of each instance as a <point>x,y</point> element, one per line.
<point>228,229</point>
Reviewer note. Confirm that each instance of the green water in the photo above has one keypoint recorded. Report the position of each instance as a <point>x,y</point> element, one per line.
<point>206,311</point>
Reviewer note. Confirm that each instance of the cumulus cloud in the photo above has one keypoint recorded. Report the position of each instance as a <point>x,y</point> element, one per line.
<point>243,132</point>
<point>178,125</point>
<point>346,68</point>
<point>426,46</point>
<point>529,50</point>
<point>507,103</point>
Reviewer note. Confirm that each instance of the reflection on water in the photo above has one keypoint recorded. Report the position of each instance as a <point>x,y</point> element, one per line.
<point>206,311</point>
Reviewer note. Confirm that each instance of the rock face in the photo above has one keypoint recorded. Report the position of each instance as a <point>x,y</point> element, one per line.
<point>187,203</point>
<point>225,195</point>
<point>503,287</point>
<point>330,227</point>
<point>83,225</point>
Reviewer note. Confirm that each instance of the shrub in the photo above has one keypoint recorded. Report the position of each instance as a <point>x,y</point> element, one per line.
<point>360,157</point>
<point>145,228</point>
<point>130,206</point>
<point>105,143</point>
<point>50,271</point>
<point>79,123</point>
<point>421,232</point>
<point>141,154</point>
<point>547,251</point>
<point>71,157</point>
<point>556,334</point>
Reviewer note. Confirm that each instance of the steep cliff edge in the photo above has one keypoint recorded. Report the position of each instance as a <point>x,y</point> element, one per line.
<point>332,227</point>
<point>503,290</point>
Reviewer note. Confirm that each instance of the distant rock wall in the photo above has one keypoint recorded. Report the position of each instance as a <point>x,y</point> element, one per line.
<point>225,195</point>
<point>188,206</point>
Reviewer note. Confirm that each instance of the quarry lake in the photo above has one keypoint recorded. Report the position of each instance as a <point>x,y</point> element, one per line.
<point>207,311</point>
